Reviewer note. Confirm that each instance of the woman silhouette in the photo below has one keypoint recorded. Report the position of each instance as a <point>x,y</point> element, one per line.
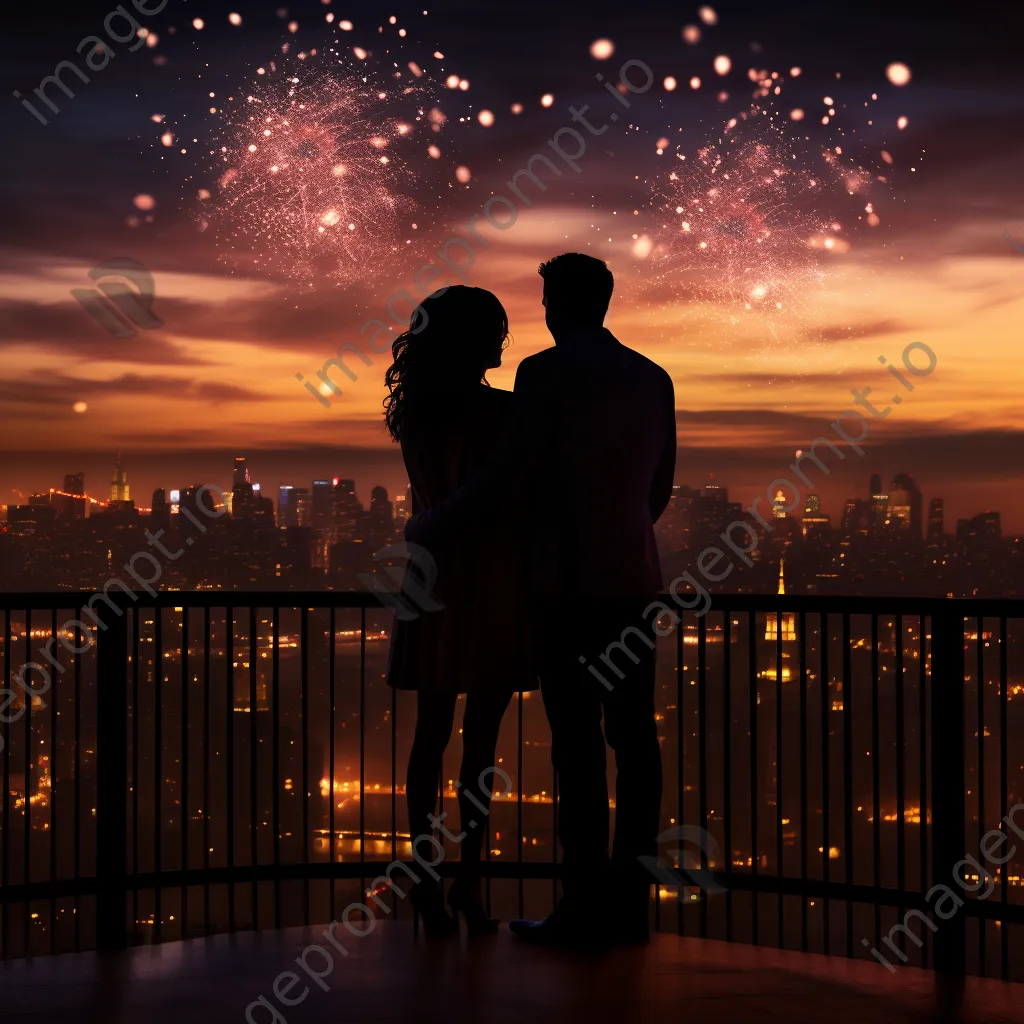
<point>448,420</point>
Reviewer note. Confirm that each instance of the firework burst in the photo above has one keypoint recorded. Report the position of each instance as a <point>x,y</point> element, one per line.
<point>743,231</point>
<point>313,173</point>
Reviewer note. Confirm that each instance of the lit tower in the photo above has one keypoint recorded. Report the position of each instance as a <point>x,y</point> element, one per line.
<point>119,489</point>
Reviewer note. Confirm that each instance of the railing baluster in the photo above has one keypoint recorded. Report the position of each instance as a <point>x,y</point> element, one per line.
<point>332,741</point>
<point>208,766</point>
<point>702,758</point>
<point>876,796</point>
<point>26,871</point>
<point>304,699</point>
<point>727,766</point>
<point>254,815</point>
<point>923,683</point>
<point>362,750</point>
<point>901,811</point>
<point>79,704</point>
<point>848,776</point>
<point>186,684</point>
<point>54,692</point>
<point>980,652</point>
<point>111,778</point>
<point>779,846</point>
<point>5,872</point>
<point>754,792</point>
<point>275,636</point>
<point>1004,801</point>
<point>802,628</point>
<point>158,753</point>
<point>680,758</point>
<point>136,725</point>
<point>948,765</point>
<point>519,801</point>
<point>826,784</point>
<point>229,744</point>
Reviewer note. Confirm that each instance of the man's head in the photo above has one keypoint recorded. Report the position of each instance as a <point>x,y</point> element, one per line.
<point>577,290</point>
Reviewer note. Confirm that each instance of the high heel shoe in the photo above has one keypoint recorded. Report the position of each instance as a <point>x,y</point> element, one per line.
<point>428,904</point>
<point>464,898</point>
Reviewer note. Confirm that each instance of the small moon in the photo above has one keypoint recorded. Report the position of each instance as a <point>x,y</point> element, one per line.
<point>80,407</point>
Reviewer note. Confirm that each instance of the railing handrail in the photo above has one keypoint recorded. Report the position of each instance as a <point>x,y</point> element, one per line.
<point>811,603</point>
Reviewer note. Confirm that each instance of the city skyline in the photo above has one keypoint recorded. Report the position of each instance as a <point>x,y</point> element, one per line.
<point>955,506</point>
<point>940,153</point>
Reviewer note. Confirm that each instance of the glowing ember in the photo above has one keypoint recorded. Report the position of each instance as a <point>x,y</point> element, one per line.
<point>486,118</point>
<point>797,114</point>
<point>670,84</point>
<point>602,49</point>
<point>463,174</point>
<point>144,202</point>
<point>902,123</point>
<point>898,74</point>
<point>695,82</point>
<point>235,19</point>
<point>691,34</point>
<point>722,65</point>
<point>80,407</point>
<point>547,99</point>
<point>198,23</point>
<point>708,15</point>
<point>516,108</point>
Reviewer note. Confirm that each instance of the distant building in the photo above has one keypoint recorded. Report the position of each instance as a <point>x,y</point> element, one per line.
<point>403,508</point>
<point>382,513</point>
<point>905,505</point>
<point>74,483</point>
<point>878,505</point>
<point>814,520</point>
<point>936,519</point>
<point>119,489</point>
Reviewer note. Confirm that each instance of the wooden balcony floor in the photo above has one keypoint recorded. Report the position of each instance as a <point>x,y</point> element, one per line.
<point>390,976</point>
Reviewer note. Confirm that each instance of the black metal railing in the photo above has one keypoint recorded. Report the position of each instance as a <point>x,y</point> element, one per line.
<point>201,762</point>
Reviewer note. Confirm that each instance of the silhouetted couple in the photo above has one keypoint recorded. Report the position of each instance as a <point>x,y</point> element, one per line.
<point>538,507</point>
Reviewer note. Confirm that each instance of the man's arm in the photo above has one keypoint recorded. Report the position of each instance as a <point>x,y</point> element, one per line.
<point>664,475</point>
<point>507,469</point>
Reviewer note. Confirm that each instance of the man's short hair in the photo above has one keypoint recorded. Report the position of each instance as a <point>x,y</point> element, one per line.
<point>574,281</point>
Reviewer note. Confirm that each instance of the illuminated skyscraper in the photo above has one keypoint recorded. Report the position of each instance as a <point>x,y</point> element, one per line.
<point>403,508</point>
<point>241,471</point>
<point>119,489</point>
<point>905,504</point>
<point>814,519</point>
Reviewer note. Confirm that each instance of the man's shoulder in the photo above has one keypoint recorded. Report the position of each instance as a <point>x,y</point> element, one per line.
<point>646,366</point>
<point>537,367</point>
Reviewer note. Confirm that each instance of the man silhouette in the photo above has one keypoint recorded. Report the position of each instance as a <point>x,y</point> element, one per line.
<point>587,471</point>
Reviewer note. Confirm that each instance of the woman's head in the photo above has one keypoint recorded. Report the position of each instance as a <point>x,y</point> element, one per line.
<point>455,336</point>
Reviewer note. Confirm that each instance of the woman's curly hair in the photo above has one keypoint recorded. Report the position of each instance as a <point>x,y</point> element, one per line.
<point>455,335</point>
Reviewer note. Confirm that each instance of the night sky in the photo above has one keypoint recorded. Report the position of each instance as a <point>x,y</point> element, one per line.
<point>805,281</point>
